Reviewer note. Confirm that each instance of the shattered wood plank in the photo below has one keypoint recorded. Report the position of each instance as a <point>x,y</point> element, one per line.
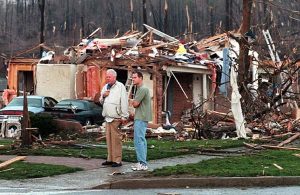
<point>38,140</point>
<point>277,136</point>
<point>8,162</point>
<point>62,143</point>
<point>289,140</point>
<point>277,166</point>
<point>279,148</point>
<point>298,155</point>
<point>161,34</point>
<point>253,146</point>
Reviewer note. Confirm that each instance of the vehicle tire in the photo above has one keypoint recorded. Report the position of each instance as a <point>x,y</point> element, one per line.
<point>88,122</point>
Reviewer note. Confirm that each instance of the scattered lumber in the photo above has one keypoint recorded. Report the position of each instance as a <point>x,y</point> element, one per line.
<point>298,155</point>
<point>62,143</point>
<point>279,148</point>
<point>277,136</point>
<point>7,170</point>
<point>36,139</point>
<point>253,146</point>
<point>289,140</point>
<point>10,161</point>
<point>277,166</point>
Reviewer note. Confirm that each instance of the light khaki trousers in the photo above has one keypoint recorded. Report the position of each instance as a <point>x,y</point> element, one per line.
<point>114,141</point>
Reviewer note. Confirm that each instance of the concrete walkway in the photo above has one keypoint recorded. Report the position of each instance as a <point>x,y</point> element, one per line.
<point>96,176</point>
<point>93,176</point>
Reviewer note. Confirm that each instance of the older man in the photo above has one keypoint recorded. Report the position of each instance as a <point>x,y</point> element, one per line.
<point>115,110</point>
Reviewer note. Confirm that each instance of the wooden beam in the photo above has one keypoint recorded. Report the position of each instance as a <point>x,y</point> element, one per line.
<point>294,137</point>
<point>280,148</point>
<point>8,162</point>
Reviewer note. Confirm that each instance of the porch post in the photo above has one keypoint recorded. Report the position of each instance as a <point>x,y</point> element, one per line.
<point>204,91</point>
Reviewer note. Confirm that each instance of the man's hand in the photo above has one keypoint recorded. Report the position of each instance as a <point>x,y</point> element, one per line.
<point>124,121</point>
<point>106,93</point>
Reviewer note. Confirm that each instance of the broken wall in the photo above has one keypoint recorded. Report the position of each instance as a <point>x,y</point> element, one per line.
<point>56,80</point>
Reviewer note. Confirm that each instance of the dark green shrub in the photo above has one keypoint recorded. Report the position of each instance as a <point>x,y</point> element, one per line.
<point>44,122</point>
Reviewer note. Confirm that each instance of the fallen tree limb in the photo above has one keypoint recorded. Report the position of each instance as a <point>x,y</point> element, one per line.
<point>279,148</point>
<point>289,140</point>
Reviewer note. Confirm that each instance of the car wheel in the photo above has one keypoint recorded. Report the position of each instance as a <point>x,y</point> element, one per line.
<point>88,122</point>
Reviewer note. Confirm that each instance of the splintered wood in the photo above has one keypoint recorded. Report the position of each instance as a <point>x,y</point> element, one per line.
<point>8,162</point>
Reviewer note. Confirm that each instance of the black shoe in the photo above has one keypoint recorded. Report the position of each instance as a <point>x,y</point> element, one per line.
<point>107,163</point>
<point>114,164</point>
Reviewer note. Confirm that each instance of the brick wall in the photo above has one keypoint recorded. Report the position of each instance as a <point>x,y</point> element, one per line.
<point>180,103</point>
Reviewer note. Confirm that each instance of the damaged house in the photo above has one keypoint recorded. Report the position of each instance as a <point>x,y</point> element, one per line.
<point>180,75</point>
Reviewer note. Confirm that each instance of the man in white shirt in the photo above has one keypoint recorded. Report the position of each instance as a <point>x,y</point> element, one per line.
<point>115,110</point>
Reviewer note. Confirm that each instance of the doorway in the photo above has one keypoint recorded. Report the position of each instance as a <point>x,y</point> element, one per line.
<point>27,78</point>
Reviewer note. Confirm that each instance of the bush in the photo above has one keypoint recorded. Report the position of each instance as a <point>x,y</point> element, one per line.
<point>44,122</point>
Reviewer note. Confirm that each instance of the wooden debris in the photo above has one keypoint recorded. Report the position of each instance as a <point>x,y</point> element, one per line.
<point>62,143</point>
<point>279,148</point>
<point>253,146</point>
<point>277,136</point>
<point>8,162</point>
<point>7,170</point>
<point>298,155</point>
<point>277,166</point>
<point>289,140</point>
<point>36,139</point>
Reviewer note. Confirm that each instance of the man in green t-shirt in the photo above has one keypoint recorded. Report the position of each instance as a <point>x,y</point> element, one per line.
<point>143,114</point>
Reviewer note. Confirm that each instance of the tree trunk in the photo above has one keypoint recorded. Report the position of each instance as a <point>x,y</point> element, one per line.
<point>166,17</point>
<point>244,60</point>
<point>144,14</point>
<point>42,24</point>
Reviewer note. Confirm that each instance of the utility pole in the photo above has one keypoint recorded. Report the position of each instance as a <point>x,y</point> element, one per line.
<point>26,136</point>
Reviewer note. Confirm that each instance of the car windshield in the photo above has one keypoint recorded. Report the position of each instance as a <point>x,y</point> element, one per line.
<point>32,102</point>
<point>70,104</point>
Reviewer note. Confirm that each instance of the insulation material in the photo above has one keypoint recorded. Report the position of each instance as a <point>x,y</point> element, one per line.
<point>236,106</point>
<point>56,80</point>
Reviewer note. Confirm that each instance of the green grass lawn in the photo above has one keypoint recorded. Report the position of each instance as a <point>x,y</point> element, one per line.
<point>157,149</point>
<point>260,164</point>
<point>23,170</point>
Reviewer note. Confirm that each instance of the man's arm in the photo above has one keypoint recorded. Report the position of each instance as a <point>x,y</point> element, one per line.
<point>135,103</point>
<point>138,98</point>
<point>101,99</point>
<point>124,103</point>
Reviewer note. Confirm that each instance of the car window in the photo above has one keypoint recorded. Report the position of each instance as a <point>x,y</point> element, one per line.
<point>32,102</point>
<point>49,102</point>
<point>68,104</point>
<point>46,102</point>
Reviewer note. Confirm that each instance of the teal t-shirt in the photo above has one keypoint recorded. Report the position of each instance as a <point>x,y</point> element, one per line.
<point>144,111</point>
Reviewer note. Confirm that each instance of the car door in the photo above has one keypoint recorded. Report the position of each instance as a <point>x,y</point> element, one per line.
<point>96,112</point>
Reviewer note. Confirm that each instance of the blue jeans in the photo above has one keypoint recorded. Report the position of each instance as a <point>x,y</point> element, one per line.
<point>140,142</point>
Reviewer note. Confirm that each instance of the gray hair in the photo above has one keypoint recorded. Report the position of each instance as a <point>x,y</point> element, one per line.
<point>112,71</point>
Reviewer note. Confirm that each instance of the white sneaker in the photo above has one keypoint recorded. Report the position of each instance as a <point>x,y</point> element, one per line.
<point>135,165</point>
<point>140,167</point>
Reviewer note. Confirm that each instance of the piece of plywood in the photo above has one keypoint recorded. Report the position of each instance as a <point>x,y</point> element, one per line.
<point>8,162</point>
